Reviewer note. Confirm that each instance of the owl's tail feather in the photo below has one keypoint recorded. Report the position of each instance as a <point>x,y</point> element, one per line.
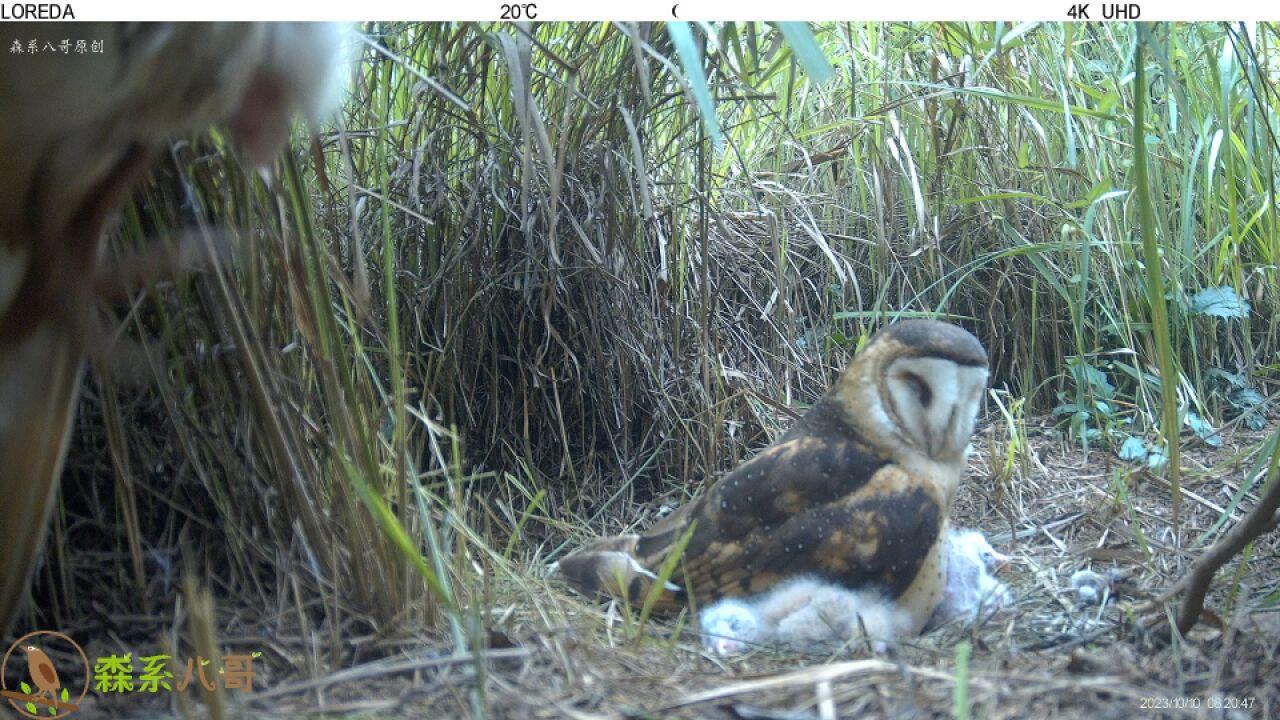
<point>609,568</point>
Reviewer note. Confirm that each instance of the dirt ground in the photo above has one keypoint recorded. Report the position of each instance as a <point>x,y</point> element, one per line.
<point>552,655</point>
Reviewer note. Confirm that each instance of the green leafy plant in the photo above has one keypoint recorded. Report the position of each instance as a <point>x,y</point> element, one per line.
<point>1242,397</point>
<point>960,704</point>
<point>1016,452</point>
<point>1092,413</point>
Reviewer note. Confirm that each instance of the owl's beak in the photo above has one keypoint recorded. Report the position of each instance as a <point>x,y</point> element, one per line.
<point>998,561</point>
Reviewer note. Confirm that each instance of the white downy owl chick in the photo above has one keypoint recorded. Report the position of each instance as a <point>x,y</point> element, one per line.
<point>972,592</point>
<point>729,626</point>
<point>976,545</point>
<point>803,613</point>
<point>808,611</point>
<point>1090,587</point>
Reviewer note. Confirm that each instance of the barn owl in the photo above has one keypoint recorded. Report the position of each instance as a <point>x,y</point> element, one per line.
<point>855,494</point>
<point>972,592</point>
<point>77,131</point>
<point>802,612</point>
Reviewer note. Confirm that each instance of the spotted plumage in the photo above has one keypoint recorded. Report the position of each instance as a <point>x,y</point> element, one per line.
<point>855,494</point>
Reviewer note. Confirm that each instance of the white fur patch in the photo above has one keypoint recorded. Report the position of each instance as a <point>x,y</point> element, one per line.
<point>972,593</point>
<point>803,612</point>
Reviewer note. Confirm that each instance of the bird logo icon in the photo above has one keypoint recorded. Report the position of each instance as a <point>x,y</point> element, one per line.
<point>43,673</point>
<point>41,692</point>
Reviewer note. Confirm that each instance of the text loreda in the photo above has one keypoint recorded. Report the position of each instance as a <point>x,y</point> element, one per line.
<point>36,11</point>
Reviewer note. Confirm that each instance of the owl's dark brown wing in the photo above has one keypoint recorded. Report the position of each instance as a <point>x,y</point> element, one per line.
<point>880,535</point>
<point>876,536</point>
<point>815,463</point>
<point>814,492</point>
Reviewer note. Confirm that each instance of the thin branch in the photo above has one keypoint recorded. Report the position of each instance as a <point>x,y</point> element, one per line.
<point>1260,520</point>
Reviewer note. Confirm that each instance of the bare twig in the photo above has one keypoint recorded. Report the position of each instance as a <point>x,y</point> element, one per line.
<point>1260,520</point>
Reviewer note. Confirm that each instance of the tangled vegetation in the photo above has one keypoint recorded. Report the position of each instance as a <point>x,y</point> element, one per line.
<point>519,294</point>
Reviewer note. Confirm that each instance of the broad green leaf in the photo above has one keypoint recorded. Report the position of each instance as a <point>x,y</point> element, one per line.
<point>806,50</point>
<point>1235,380</point>
<point>691,60</point>
<point>1157,459</point>
<point>1203,429</point>
<point>1086,375</point>
<point>1220,302</point>
<point>1070,409</point>
<point>1246,398</point>
<point>1133,448</point>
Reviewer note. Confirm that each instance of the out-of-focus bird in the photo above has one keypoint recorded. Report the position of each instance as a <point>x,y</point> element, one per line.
<point>77,130</point>
<point>43,673</point>
<point>972,592</point>
<point>1091,588</point>
<point>856,494</point>
<point>803,612</point>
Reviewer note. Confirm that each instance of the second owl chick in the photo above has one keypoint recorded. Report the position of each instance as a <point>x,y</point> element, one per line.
<point>802,612</point>
<point>972,592</point>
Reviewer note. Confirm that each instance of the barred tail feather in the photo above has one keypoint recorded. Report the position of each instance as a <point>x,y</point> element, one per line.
<point>608,568</point>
